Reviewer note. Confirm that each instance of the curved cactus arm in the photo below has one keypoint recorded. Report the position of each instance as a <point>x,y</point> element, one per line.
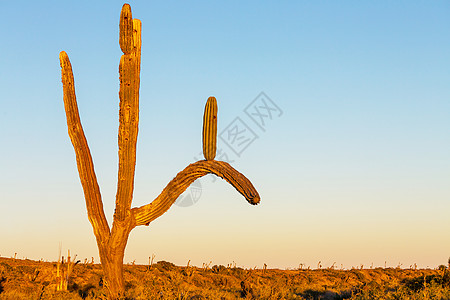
<point>129,69</point>
<point>147,213</point>
<point>85,165</point>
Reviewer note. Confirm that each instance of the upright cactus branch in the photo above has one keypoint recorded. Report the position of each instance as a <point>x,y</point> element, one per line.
<point>210,129</point>
<point>112,243</point>
<point>85,164</point>
<point>129,70</point>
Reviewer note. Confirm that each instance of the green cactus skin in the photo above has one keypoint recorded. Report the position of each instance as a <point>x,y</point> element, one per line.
<point>210,129</point>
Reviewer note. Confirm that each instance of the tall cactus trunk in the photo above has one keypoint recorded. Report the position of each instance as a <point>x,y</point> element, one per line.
<point>111,257</point>
<point>111,242</point>
<point>112,265</point>
<point>114,280</point>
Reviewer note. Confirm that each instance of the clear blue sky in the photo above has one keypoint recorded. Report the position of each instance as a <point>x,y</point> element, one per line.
<point>355,170</point>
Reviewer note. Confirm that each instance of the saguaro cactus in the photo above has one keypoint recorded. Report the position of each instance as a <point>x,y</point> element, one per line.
<point>111,242</point>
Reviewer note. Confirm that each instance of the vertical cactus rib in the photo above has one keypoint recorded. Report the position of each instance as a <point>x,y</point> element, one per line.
<point>137,42</point>
<point>147,213</point>
<point>129,70</point>
<point>210,129</point>
<point>85,164</point>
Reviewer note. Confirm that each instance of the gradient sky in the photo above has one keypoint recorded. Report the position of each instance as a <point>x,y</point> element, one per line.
<point>356,170</point>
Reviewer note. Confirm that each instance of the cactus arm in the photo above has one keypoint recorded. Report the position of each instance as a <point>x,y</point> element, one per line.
<point>210,129</point>
<point>129,69</point>
<point>126,30</point>
<point>85,164</point>
<point>147,213</point>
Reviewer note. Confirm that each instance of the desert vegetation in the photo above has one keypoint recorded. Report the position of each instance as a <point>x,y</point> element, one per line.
<point>27,279</point>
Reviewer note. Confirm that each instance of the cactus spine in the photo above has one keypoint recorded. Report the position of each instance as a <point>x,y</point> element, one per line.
<point>210,129</point>
<point>111,242</point>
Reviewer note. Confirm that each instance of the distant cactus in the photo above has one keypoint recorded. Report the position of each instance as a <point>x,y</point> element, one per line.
<point>111,242</point>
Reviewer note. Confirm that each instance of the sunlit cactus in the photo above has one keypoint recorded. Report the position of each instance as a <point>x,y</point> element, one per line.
<point>210,129</point>
<point>111,242</point>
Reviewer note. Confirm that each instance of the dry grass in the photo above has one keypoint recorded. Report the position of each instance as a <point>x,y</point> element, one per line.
<point>26,279</point>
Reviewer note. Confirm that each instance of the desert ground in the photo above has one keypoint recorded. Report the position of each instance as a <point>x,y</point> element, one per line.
<point>28,279</point>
